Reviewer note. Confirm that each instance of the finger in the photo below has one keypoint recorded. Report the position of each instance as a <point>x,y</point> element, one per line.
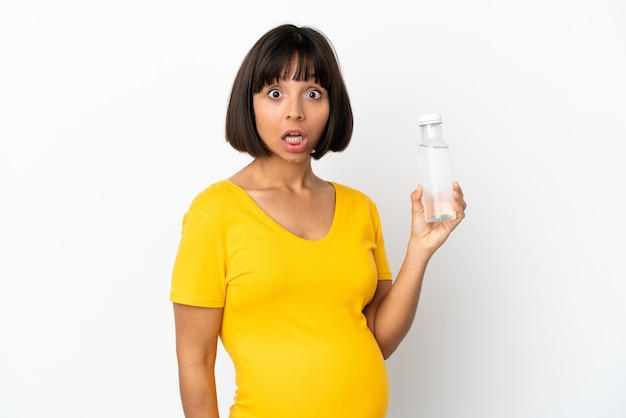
<point>459,200</point>
<point>458,194</point>
<point>459,206</point>
<point>457,187</point>
<point>418,192</point>
<point>417,208</point>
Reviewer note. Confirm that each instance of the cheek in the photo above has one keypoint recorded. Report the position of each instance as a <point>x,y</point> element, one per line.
<point>261,118</point>
<point>322,120</point>
<point>265,115</point>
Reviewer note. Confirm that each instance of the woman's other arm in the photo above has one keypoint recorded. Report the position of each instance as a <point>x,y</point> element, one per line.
<point>197,331</point>
<point>391,311</point>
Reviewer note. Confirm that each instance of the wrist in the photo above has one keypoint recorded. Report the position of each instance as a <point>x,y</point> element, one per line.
<point>416,253</point>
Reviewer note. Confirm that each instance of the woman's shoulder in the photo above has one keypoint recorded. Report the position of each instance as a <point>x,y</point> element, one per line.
<point>217,195</point>
<point>351,193</point>
<point>354,199</point>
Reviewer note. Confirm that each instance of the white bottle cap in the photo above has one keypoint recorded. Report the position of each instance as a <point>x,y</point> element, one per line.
<point>429,119</point>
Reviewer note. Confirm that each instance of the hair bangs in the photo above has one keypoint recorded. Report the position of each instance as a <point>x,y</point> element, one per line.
<point>295,62</point>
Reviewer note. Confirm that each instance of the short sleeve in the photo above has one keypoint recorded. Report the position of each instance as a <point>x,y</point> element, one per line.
<point>199,267</point>
<point>380,254</point>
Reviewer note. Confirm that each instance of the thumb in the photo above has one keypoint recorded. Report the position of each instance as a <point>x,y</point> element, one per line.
<point>416,201</point>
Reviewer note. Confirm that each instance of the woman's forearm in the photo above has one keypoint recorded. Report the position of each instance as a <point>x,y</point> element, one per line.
<point>198,392</point>
<point>197,331</point>
<point>396,311</point>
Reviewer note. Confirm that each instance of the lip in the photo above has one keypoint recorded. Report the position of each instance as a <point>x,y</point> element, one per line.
<point>293,132</point>
<point>298,146</point>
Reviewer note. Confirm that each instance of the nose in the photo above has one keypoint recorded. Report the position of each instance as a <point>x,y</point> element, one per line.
<point>294,110</point>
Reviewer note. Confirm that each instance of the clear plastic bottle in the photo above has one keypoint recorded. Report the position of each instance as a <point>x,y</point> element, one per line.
<point>434,167</point>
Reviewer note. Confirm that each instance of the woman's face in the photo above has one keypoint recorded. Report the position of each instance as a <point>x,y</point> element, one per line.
<point>291,117</point>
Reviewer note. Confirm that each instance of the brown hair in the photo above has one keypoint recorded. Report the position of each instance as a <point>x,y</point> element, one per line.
<point>269,60</point>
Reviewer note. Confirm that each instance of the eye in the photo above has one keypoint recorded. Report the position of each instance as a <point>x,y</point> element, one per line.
<point>274,93</point>
<point>314,94</point>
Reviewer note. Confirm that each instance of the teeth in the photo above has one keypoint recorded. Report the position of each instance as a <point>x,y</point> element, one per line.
<point>293,139</point>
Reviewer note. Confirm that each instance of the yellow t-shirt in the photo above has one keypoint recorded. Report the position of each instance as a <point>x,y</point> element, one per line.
<point>293,322</point>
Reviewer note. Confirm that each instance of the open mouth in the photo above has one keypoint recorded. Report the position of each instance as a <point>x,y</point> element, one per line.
<point>294,139</point>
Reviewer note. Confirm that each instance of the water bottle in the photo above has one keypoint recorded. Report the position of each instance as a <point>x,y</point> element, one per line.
<point>434,167</point>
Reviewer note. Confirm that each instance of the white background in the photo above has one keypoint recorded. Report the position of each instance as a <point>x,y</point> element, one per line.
<point>111,121</point>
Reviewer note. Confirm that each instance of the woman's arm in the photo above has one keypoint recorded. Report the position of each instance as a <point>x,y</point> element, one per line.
<point>197,331</point>
<point>391,311</point>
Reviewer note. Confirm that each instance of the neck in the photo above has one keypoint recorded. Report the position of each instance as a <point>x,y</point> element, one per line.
<point>273,172</point>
